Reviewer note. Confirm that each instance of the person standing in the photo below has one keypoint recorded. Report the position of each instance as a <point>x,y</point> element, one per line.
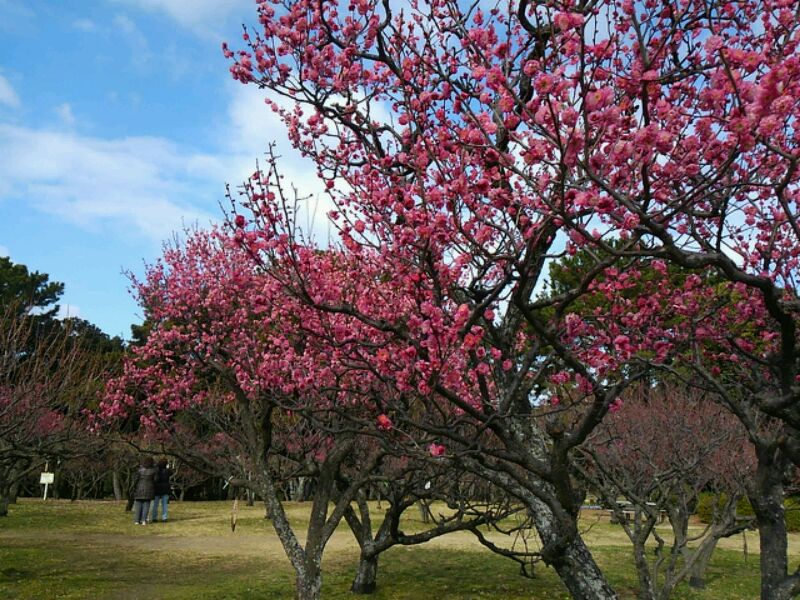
<point>162,490</point>
<point>144,491</point>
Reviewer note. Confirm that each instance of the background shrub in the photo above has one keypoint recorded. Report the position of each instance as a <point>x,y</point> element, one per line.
<point>706,503</point>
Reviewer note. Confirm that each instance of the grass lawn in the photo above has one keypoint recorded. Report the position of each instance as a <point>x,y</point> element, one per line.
<point>92,550</point>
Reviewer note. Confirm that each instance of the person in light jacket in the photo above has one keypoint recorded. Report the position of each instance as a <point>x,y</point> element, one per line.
<point>145,491</point>
<point>162,490</point>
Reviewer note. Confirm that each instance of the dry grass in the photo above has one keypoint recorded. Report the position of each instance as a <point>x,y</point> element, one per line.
<point>92,550</point>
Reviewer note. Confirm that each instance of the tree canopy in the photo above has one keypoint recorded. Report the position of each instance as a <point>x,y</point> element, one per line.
<point>31,291</point>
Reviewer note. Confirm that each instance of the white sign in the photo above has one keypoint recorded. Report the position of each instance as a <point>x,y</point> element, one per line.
<point>46,478</point>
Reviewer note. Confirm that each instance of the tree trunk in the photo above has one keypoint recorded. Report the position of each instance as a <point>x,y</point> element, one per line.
<point>4,496</point>
<point>767,502</point>
<point>581,575</point>
<point>366,577</point>
<point>13,492</point>
<point>424,511</point>
<point>115,484</point>
<point>308,584</point>
<point>697,576</point>
<point>772,535</point>
<point>4,499</point>
<point>562,546</point>
<point>646,591</point>
<point>297,489</point>
<point>570,557</point>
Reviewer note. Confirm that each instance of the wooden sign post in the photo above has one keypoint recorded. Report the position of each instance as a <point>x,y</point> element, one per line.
<point>46,479</point>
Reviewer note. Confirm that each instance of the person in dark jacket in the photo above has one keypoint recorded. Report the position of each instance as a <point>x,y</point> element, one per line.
<point>162,490</point>
<point>145,490</point>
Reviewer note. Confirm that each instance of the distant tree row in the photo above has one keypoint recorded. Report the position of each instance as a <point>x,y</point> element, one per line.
<point>51,371</point>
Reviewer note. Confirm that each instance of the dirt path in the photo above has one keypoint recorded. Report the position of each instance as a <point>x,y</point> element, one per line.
<point>202,531</point>
<point>266,544</point>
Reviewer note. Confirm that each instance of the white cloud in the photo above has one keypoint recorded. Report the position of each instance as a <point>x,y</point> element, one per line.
<point>64,112</point>
<point>145,184</point>
<point>84,24</point>
<point>4,252</point>
<point>150,186</point>
<point>7,94</point>
<point>137,41</point>
<point>203,17</point>
<point>68,311</point>
<point>251,127</point>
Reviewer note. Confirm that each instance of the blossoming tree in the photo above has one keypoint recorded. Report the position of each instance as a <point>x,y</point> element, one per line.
<point>467,145</point>
<point>221,333</point>
<point>281,393</point>
<point>651,460</point>
<point>46,379</point>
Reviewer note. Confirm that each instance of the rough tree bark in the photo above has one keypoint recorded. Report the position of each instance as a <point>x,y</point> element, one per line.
<point>697,576</point>
<point>5,491</point>
<point>365,581</point>
<point>555,520</point>
<point>424,512</point>
<point>308,582</point>
<point>4,497</point>
<point>569,556</point>
<point>115,484</point>
<point>580,573</point>
<point>766,497</point>
<point>646,588</point>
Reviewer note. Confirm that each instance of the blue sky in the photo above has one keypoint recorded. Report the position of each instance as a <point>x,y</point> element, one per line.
<point>119,123</point>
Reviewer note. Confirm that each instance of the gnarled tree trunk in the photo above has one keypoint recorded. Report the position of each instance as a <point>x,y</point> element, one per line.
<point>308,582</point>
<point>365,581</point>
<point>767,498</point>
<point>424,511</point>
<point>697,576</point>
<point>115,484</point>
<point>646,588</point>
<point>581,575</point>
<point>570,557</point>
<point>13,492</point>
<point>4,502</point>
<point>4,495</point>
